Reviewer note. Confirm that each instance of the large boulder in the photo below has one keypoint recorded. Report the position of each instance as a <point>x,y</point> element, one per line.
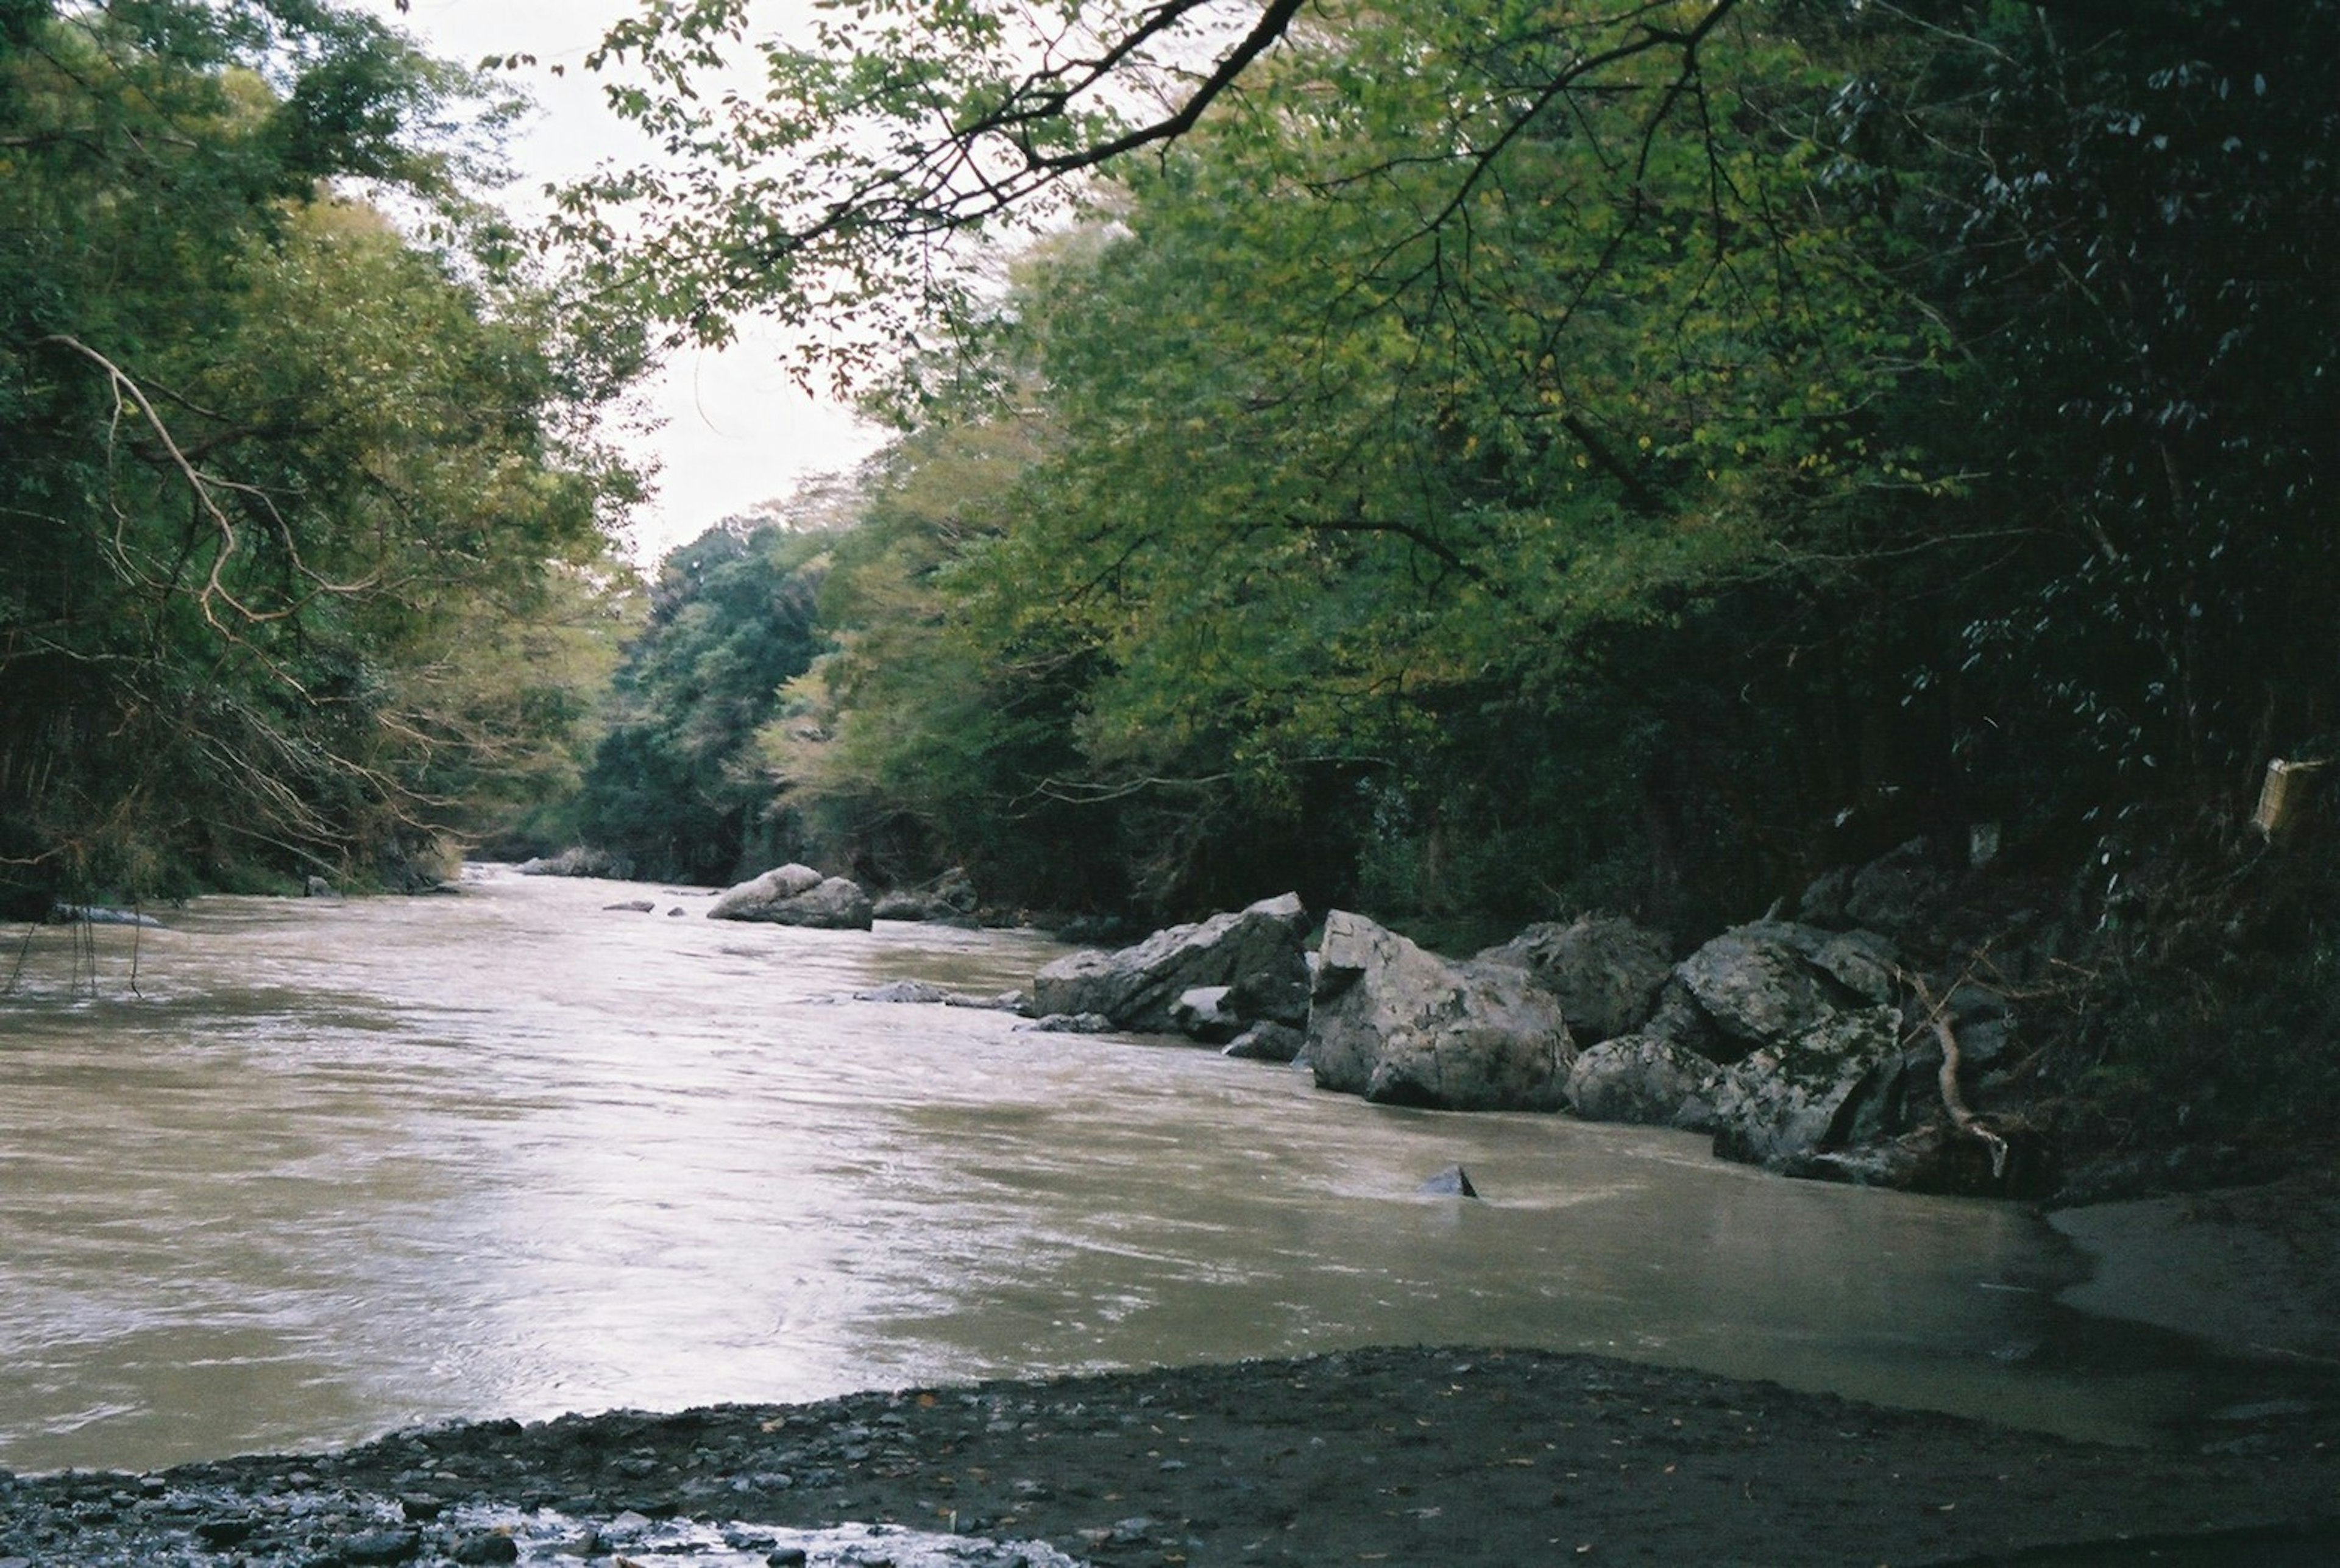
<point>1783,1102</point>
<point>1255,953</point>
<point>1605,970</point>
<point>1763,985</point>
<point>795,896</point>
<point>1805,1030</point>
<point>1404,1027</point>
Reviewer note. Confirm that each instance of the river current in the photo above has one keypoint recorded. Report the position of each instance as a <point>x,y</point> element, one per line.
<point>292,1173</point>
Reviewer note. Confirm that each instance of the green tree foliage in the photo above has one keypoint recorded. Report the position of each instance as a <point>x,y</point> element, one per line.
<point>678,785</point>
<point>302,519</point>
<point>1519,454</point>
<point>922,738</point>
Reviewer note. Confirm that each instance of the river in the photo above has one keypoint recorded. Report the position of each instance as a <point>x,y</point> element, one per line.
<point>314,1169</point>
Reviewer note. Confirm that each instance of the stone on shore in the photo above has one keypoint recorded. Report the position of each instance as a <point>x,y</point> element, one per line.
<point>1254,952</point>
<point>795,895</point>
<point>1782,1103</point>
<point>1646,1080</point>
<point>1605,970</point>
<point>949,899</point>
<point>1785,1041</point>
<point>1403,1027</point>
<point>1764,984</point>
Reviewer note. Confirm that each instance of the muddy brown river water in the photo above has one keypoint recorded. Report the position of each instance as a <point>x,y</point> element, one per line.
<point>335,1167</point>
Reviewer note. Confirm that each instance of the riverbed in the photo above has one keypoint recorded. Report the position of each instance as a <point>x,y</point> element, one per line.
<point>291,1172</point>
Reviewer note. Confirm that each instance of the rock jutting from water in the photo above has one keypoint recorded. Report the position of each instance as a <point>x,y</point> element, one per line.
<point>1255,953</point>
<point>1401,1026</point>
<point>1807,1050</point>
<point>795,894</point>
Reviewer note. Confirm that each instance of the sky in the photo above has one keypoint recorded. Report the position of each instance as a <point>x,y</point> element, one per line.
<point>730,428</point>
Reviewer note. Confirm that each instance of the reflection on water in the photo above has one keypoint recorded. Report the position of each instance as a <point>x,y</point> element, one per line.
<point>342,1167</point>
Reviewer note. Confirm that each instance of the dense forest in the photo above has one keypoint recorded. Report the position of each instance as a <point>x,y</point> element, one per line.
<point>1472,464</point>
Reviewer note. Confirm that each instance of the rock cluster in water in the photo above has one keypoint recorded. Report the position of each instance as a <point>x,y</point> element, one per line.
<point>1810,1047</point>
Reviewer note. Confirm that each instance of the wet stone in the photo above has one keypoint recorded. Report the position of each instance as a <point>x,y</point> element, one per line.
<point>225,1532</point>
<point>379,1546</point>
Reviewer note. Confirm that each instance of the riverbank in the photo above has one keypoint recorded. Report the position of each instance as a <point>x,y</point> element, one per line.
<point>2251,1270</point>
<point>1413,1456</point>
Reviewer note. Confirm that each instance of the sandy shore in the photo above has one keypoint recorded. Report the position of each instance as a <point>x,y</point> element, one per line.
<point>2254,1271</point>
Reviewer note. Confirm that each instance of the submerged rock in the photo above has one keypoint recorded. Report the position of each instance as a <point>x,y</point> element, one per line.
<point>949,899</point>
<point>1069,1024</point>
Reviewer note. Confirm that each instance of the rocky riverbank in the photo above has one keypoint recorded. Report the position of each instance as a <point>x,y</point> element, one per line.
<point>1453,1457</point>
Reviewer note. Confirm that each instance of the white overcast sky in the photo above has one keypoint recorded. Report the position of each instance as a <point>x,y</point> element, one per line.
<point>732,429</point>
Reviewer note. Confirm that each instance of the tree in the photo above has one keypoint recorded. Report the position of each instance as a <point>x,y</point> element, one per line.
<point>282,486</point>
<point>835,196</point>
<point>1820,423</point>
<point>677,785</point>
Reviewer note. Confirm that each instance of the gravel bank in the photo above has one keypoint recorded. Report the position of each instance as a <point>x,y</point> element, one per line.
<point>1422,1457</point>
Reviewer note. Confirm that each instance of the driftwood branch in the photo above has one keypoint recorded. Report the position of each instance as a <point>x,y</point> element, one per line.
<point>1954,1099</point>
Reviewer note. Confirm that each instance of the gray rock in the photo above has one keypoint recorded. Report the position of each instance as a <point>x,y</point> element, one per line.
<point>1764,984</point>
<point>1823,903</point>
<point>780,883</point>
<point>630,907</point>
<point>1645,1080</point>
<point>1403,1027</point>
<point>911,991</point>
<point>1202,1014</point>
<point>581,860</point>
<point>1451,1182</point>
<point>1138,987</point>
<point>948,900</point>
<point>1606,971</point>
<point>997,1002</point>
<point>318,888</point>
<point>1786,1101</point>
<point>1069,1024</point>
<point>1757,991</point>
<point>375,1546</point>
<point>795,896</point>
<point>1267,1041</point>
<point>1898,891</point>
